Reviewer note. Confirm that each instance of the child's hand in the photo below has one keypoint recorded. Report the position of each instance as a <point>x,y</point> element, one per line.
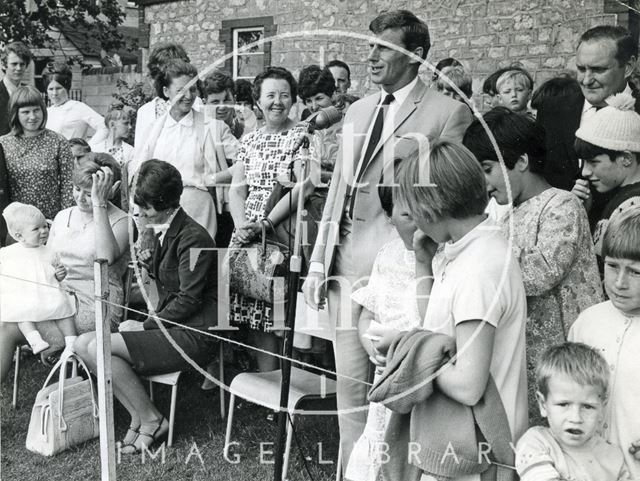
<point>635,449</point>
<point>424,247</point>
<point>61,272</point>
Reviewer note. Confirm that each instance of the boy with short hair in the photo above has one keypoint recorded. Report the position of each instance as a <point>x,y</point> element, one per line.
<point>613,328</point>
<point>573,381</point>
<point>514,89</point>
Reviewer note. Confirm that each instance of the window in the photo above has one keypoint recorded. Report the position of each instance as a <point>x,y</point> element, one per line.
<point>237,34</point>
<point>247,63</point>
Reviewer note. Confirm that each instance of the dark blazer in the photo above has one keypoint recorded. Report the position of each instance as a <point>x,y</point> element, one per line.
<point>560,119</point>
<point>4,109</point>
<point>187,293</point>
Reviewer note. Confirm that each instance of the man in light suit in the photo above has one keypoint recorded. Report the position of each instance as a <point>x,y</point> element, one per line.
<point>371,139</point>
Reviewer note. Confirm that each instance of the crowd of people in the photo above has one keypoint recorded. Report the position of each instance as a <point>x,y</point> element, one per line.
<point>496,254</point>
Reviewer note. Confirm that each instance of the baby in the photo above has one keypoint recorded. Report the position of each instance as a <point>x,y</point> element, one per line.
<point>30,279</point>
<point>573,381</point>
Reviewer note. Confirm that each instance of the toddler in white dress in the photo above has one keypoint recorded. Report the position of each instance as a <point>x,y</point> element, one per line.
<point>30,279</point>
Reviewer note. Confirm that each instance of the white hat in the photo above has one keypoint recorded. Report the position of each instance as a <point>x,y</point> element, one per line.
<point>614,127</point>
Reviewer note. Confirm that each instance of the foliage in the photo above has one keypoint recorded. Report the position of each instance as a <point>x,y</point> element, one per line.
<point>101,18</point>
<point>132,96</point>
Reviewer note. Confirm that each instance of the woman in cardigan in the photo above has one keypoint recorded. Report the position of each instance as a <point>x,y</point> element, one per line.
<point>187,299</point>
<point>39,162</point>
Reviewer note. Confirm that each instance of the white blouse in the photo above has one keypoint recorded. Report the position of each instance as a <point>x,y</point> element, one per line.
<point>73,119</point>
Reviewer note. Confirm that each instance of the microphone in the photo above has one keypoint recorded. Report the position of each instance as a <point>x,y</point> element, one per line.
<point>322,119</point>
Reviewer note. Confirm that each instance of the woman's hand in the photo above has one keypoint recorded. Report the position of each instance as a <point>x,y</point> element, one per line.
<point>103,187</point>
<point>248,232</point>
<point>424,247</point>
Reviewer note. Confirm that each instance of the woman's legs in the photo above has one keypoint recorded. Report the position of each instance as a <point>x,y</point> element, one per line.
<point>266,341</point>
<point>127,386</point>
<point>10,337</point>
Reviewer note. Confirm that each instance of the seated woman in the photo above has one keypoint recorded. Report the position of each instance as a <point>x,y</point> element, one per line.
<point>94,228</point>
<point>187,300</point>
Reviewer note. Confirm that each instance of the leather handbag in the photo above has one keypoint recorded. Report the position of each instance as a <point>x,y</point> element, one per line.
<point>259,270</point>
<point>65,413</point>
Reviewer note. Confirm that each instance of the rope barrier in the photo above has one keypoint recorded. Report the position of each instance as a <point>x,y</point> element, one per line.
<point>182,326</point>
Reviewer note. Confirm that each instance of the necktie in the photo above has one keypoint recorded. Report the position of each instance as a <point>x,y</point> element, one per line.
<point>376,133</point>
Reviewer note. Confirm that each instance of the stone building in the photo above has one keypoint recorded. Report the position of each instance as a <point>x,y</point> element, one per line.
<point>484,34</point>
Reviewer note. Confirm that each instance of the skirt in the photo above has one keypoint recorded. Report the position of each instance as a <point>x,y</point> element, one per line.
<point>152,353</point>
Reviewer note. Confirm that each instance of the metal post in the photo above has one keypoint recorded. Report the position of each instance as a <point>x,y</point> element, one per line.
<point>105,388</point>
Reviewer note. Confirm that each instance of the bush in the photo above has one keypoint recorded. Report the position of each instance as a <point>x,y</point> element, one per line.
<point>132,96</point>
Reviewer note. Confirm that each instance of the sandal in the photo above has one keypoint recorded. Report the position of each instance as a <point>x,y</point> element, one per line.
<point>138,444</point>
<point>130,438</point>
<point>51,355</point>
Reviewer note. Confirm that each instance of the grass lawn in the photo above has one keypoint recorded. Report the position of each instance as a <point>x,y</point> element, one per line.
<point>198,429</point>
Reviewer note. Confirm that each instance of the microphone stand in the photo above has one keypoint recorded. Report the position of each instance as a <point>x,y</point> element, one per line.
<point>295,269</point>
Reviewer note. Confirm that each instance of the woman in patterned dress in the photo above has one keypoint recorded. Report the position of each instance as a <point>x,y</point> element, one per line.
<point>263,156</point>
<point>39,161</point>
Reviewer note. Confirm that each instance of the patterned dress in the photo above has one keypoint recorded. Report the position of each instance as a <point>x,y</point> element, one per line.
<point>552,243</point>
<point>39,170</point>
<point>266,156</point>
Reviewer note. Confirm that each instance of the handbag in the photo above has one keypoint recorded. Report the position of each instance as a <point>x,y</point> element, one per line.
<point>259,270</point>
<point>65,413</point>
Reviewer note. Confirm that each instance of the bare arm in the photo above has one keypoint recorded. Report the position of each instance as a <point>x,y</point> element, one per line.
<point>108,246</point>
<point>465,380</point>
<point>238,193</point>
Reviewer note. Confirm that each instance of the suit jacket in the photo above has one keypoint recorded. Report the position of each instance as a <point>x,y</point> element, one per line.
<point>186,279</point>
<point>425,112</point>
<point>560,119</point>
<point>4,109</point>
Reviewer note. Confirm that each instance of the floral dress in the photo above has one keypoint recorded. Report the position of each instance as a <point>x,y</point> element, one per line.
<point>39,170</point>
<point>552,243</point>
<point>266,156</point>
<point>391,296</point>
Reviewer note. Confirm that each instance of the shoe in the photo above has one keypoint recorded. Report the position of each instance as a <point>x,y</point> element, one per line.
<point>51,355</point>
<point>145,440</point>
<point>208,385</point>
<point>38,347</point>
<point>129,439</point>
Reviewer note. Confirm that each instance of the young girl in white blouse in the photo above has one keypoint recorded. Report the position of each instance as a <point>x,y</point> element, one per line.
<point>30,279</point>
<point>388,306</point>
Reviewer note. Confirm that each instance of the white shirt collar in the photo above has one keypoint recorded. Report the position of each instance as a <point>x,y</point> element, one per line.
<point>400,95</point>
<point>186,121</point>
<point>588,106</point>
<point>163,228</point>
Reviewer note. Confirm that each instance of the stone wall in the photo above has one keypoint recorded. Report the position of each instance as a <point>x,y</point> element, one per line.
<point>485,35</point>
<point>97,89</point>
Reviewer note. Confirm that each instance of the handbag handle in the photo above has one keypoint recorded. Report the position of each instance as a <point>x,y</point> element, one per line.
<point>263,224</point>
<point>63,375</point>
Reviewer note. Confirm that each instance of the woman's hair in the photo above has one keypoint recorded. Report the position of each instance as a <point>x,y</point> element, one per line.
<point>314,80</point>
<point>172,70</point>
<point>587,150</point>
<point>519,76</point>
<point>244,91</point>
<point>387,190</point>
<point>159,186</point>
<point>622,237</point>
<point>275,73</point>
<point>61,73</point>
<point>92,163</point>
<point>444,182</point>
<point>556,89</point>
<point>19,216</point>
<point>162,53</point>
<point>340,101</point>
<point>77,141</point>
<point>218,82</point>
<point>516,134</point>
<point>459,77</point>
<point>581,363</point>
<point>27,96</point>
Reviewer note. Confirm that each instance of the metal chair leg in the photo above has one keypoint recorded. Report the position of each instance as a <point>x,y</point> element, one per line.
<point>339,463</point>
<point>221,378</point>
<point>16,378</point>
<point>172,413</point>
<point>287,449</point>
<point>227,436</point>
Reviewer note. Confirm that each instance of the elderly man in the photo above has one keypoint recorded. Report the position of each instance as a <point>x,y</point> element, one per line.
<point>605,59</point>
<point>373,133</point>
